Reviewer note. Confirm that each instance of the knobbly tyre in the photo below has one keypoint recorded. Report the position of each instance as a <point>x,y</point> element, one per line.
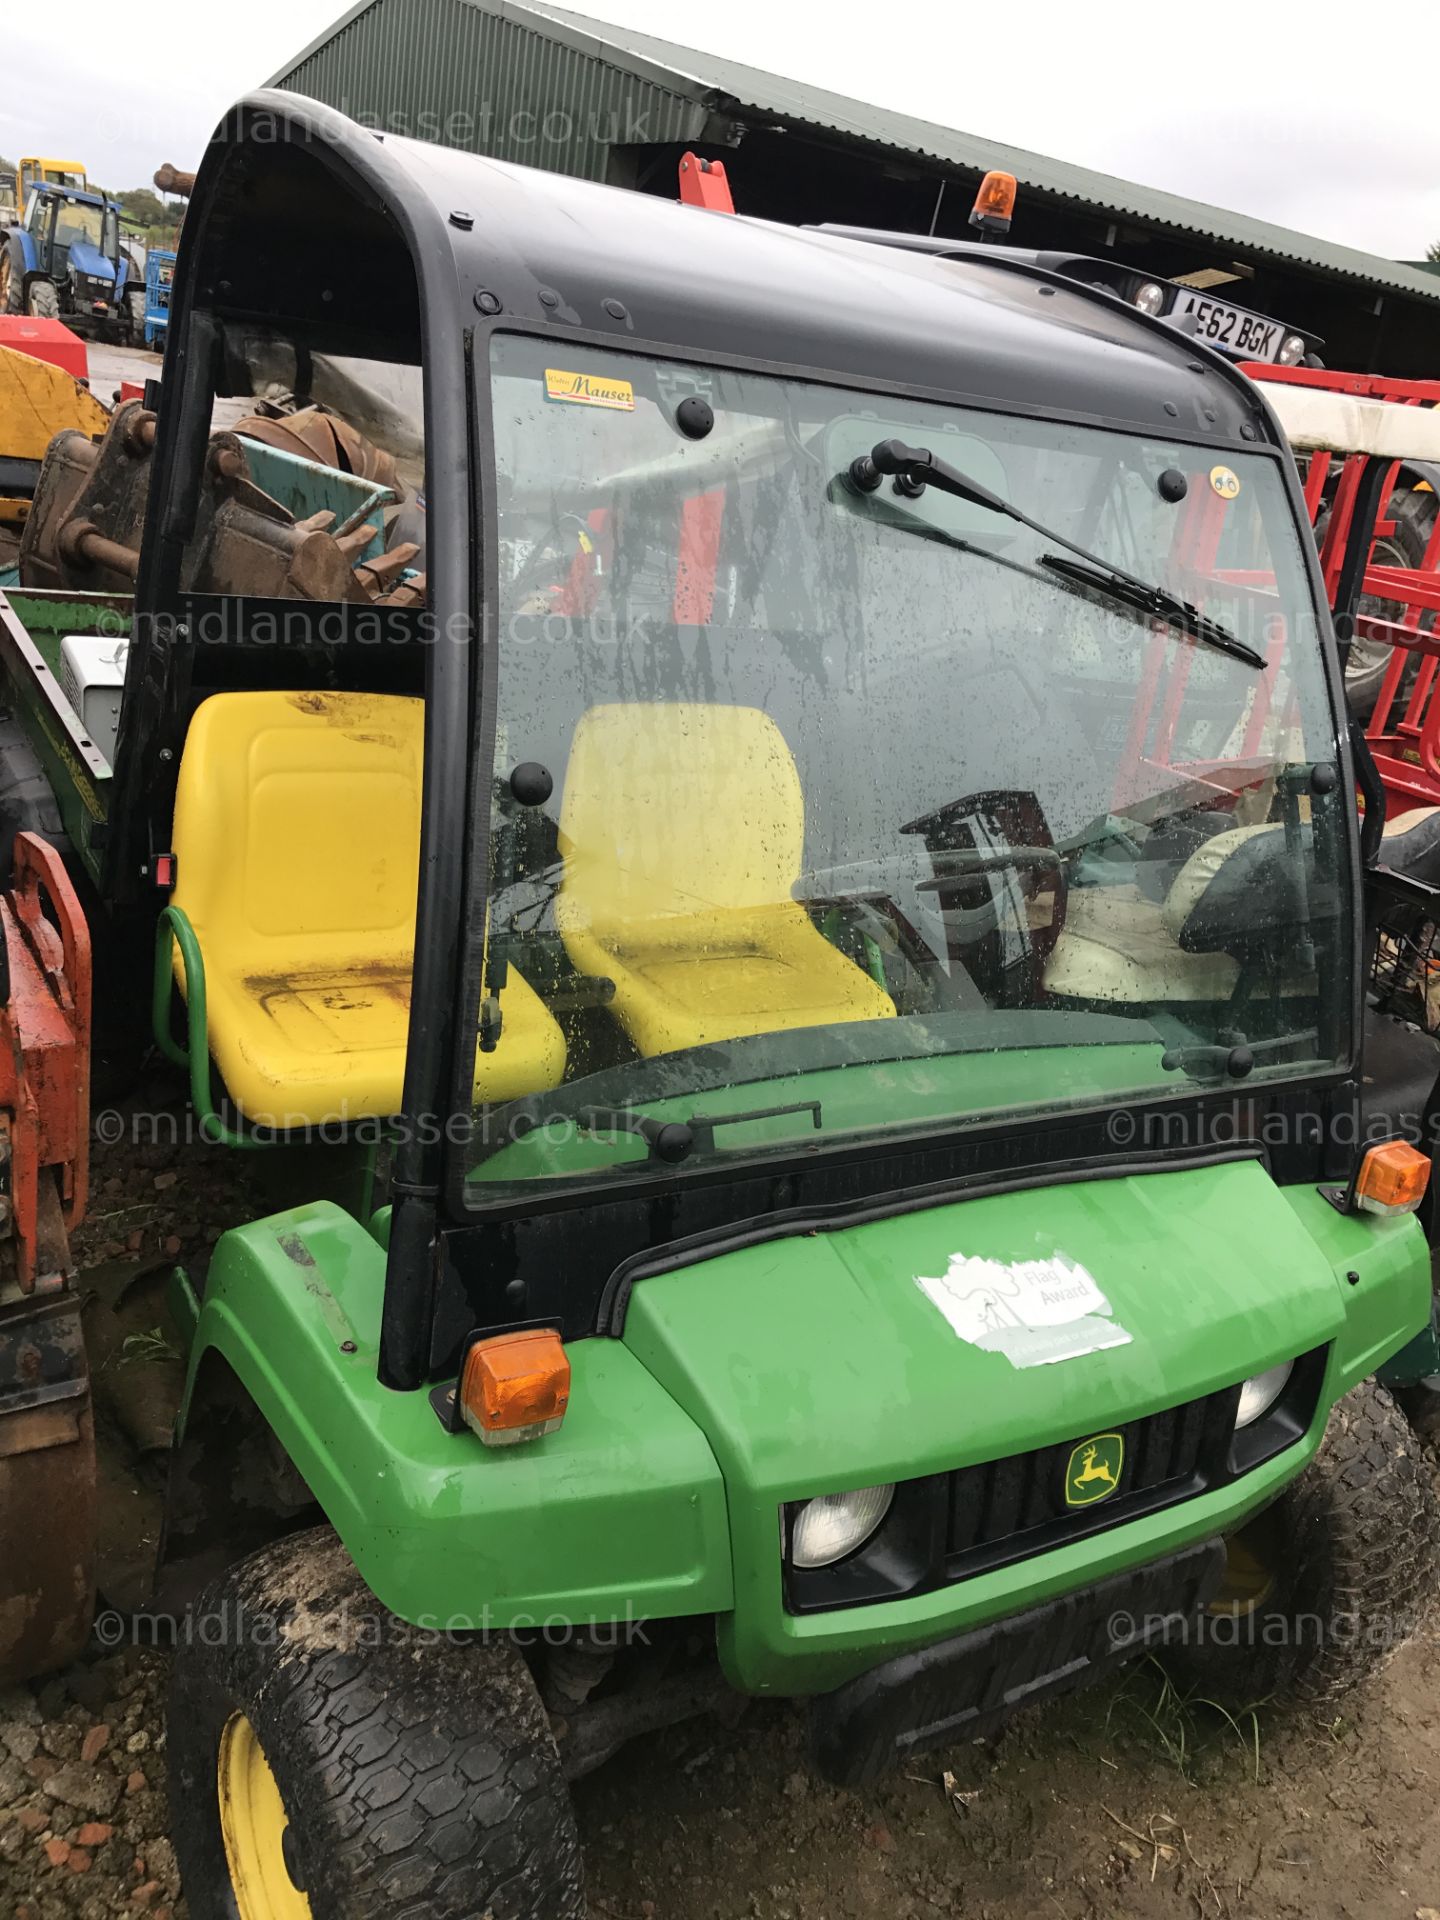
<point>831,912</point>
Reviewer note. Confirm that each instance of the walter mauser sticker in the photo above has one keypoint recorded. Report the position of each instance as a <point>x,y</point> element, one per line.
<point>1035,1312</point>
<point>1226,482</point>
<point>589,389</point>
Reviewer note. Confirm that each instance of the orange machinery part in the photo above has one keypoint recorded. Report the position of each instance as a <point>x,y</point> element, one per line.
<point>703,184</point>
<point>44,1052</point>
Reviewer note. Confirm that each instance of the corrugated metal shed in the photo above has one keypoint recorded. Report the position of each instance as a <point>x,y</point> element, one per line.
<point>419,67</point>
<point>434,58</point>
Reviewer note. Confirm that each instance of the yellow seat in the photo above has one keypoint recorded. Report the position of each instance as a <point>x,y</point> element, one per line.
<point>297,837</point>
<point>682,828</point>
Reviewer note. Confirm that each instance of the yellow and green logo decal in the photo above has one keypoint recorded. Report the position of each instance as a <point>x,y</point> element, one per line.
<point>1093,1472</point>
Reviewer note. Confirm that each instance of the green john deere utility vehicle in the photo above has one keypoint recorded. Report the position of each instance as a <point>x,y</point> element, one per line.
<point>828,898</point>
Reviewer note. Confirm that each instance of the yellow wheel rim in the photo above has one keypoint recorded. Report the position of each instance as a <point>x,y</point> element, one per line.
<point>1248,1582</point>
<point>253,1822</point>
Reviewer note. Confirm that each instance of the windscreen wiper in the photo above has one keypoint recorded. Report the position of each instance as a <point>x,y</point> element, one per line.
<point>917,467</point>
<point>1157,600</point>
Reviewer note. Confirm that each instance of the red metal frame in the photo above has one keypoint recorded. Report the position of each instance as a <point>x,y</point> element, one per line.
<point>1165,673</point>
<point>1405,743</point>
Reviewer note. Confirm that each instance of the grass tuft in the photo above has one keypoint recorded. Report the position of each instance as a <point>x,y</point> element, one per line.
<point>1183,1722</point>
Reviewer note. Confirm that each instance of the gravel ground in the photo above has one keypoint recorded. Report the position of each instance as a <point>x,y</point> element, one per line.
<point>1123,1804</point>
<point>1082,1812</point>
<point>82,1795</point>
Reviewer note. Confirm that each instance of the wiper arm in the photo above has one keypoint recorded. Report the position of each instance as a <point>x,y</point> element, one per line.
<point>670,1140</point>
<point>919,467</point>
<point>891,515</point>
<point>1234,1057</point>
<point>1202,1061</point>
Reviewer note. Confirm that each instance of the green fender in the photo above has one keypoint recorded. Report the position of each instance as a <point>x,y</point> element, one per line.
<point>620,1516</point>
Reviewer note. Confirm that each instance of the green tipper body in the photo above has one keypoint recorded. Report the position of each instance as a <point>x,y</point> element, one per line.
<point>796,1367</point>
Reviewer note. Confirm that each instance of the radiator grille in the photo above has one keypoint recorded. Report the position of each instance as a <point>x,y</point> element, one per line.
<point>1003,1510</point>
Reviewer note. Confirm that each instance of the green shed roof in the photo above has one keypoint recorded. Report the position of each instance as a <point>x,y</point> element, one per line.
<point>717,83</point>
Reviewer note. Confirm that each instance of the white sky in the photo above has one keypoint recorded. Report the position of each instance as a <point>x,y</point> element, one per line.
<point>1289,111</point>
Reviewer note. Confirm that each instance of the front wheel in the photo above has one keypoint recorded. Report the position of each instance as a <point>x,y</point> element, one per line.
<point>327,1762</point>
<point>1334,1576</point>
<point>12,291</point>
<point>43,301</point>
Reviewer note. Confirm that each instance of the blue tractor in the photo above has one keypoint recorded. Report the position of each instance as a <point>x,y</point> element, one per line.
<point>64,261</point>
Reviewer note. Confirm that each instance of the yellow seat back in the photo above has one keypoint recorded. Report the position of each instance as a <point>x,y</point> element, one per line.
<point>297,830</point>
<point>297,842</point>
<point>682,828</point>
<point>677,809</point>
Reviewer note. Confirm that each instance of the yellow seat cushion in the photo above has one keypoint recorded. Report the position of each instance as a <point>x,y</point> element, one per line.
<point>682,828</point>
<point>297,844</point>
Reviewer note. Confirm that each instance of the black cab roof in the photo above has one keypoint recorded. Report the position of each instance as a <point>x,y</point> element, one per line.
<point>315,226</point>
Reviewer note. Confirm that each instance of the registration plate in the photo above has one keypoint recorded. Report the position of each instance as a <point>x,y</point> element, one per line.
<point>1249,336</point>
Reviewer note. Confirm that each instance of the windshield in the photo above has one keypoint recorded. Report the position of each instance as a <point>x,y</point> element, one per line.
<point>76,220</point>
<point>51,173</point>
<point>823,808</point>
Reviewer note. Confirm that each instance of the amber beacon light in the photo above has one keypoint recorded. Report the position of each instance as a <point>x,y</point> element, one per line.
<point>994,207</point>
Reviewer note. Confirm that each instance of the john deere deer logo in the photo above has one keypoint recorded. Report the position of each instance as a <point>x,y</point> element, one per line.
<point>1094,1469</point>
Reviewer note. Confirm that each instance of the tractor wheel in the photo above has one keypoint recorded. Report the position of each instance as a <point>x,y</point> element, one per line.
<point>1334,1576</point>
<point>12,289</point>
<point>135,318</point>
<point>1369,660</point>
<point>327,1759</point>
<point>43,301</point>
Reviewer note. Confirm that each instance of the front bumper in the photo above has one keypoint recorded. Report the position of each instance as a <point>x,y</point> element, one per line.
<point>955,1689</point>
<point>764,1649</point>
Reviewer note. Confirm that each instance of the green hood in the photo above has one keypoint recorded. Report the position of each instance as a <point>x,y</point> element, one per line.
<point>820,1362</point>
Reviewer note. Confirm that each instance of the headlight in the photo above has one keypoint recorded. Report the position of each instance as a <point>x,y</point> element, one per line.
<point>1149,298</point>
<point>825,1530</point>
<point>1260,1393</point>
<point>1292,350</point>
